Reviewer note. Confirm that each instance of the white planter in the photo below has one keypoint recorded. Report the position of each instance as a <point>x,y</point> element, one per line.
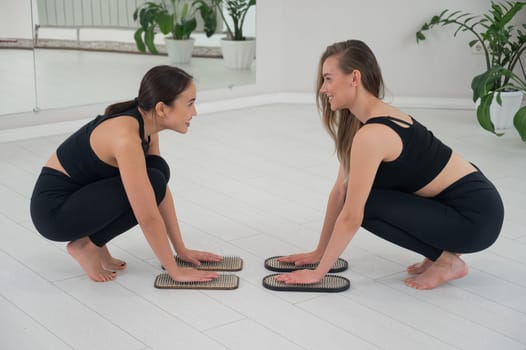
<point>502,115</point>
<point>238,54</point>
<point>179,51</point>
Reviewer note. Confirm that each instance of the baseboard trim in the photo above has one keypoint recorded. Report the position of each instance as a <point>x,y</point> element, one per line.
<point>217,102</point>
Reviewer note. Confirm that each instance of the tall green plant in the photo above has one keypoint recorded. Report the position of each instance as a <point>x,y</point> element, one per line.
<point>236,9</point>
<point>502,44</point>
<point>176,18</point>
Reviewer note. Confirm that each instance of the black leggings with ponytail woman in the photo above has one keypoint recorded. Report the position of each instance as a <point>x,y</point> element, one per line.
<point>64,210</point>
<point>109,176</point>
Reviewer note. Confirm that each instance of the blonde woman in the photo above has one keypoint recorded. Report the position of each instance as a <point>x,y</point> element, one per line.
<point>396,179</point>
<point>109,176</point>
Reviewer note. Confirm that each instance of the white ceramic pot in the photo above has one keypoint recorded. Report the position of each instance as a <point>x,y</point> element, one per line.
<point>502,115</point>
<point>238,54</point>
<point>179,51</point>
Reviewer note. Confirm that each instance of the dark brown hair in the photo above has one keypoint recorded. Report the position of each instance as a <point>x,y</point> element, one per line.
<point>342,125</point>
<point>159,84</point>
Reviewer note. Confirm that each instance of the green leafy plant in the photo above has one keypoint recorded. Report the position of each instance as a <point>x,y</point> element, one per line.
<point>236,9</point>
<point>176,18</point>
<point>503,44</point>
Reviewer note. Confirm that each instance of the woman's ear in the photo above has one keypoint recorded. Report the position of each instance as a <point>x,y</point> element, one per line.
<point>356,77</point>
<point>160,109</point>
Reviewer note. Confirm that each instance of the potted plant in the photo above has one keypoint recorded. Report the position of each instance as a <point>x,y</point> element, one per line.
<point>498,90</point>
<point>176,18</point>
<point>238,50</point>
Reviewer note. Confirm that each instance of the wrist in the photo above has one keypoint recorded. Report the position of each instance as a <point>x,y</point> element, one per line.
<point>318,252</point>
<point>180,249</point>
<point>319,274</point>
<point>173,270</point>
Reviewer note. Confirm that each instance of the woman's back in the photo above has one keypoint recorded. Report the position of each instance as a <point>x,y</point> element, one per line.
<point>84,156</point>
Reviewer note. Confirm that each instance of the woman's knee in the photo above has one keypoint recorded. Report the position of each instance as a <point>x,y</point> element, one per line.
<point>159,183</point>
<point>157,162</point>
<point>479,238</point>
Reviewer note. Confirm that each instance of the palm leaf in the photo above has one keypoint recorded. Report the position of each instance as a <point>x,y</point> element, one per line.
<point>483,113</point>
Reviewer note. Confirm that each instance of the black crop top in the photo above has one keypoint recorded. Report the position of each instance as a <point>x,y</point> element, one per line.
<point>422,158</point>
<point>80,161</point>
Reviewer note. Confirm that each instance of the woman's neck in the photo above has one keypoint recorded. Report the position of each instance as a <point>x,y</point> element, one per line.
<point>367,106</point>
<point>150,124</point>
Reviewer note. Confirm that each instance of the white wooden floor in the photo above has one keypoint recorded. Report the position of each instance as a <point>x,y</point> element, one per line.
<point>254,183</point>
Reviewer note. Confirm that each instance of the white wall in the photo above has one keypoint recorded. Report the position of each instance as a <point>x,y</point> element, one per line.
<point>292,34</point>
<point>15,19</point>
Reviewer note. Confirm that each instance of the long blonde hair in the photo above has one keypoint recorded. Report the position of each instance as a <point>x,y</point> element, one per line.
<point>342,125</point>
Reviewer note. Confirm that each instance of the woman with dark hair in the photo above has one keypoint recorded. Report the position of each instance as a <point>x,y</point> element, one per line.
<point>109,176</point>
<point>396,179</point>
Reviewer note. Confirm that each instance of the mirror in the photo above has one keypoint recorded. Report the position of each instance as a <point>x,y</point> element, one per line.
<point>17,74</point>
<point>84,53</point>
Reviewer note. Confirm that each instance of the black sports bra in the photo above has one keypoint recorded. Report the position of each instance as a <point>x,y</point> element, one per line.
<point>422,158</point>
<point>80,161</point>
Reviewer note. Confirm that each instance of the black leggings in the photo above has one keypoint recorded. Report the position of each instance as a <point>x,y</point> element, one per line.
<point>466,217</point>
<point>63,210</point>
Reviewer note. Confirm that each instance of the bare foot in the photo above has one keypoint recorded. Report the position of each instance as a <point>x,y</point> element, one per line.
<point>418,268</point>
<point>109,262</point>
<point>446,268</point>
<point>88,256</point>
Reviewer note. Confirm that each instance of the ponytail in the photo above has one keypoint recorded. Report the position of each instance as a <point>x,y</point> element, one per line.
<point>120,107</point>
<point>160,84</point>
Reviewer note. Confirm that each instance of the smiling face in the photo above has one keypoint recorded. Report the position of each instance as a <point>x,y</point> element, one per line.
<point>337,86</point>
<point>178,115</point>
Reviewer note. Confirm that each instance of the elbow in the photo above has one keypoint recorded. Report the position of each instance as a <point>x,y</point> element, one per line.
<point>350,222</point>
<point>338,194</point>
<point>148,221</point>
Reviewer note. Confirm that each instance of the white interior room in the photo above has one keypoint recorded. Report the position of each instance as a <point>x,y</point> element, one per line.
<point>251,179</point>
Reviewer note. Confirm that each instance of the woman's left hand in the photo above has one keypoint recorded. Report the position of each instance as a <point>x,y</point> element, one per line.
<point>300,277</point>
<point>195,257</point>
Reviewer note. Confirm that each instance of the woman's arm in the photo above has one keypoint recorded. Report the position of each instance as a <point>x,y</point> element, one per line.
<point>169,215</point>
<point>366,155</point>
<point>334,207</point>
<point>127,150</point>
<point>167,209</point>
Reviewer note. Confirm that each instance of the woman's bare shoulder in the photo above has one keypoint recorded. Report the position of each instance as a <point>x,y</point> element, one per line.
<point>122,131</point>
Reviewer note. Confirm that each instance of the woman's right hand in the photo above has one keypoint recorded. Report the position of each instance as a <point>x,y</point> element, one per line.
<point>184,274</point>
<point>302,258</point>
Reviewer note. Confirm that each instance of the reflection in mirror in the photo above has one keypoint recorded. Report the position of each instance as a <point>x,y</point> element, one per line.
<point>106,66</point>
<point>17,87</point>
<point>85,53</point>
